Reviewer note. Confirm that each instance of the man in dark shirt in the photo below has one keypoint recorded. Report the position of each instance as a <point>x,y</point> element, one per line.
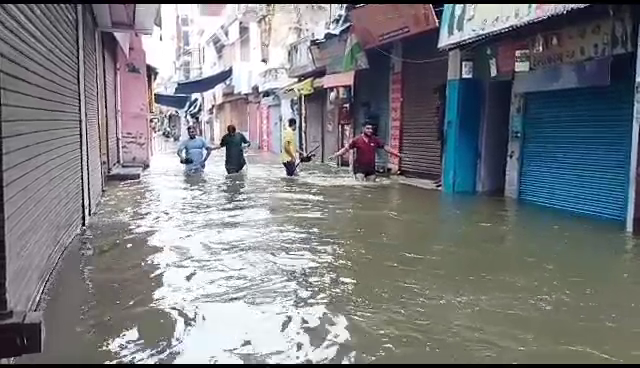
<point>365,145</point>
<point>234,144</point>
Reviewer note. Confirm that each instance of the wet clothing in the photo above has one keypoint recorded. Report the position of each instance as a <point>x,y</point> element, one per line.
<point>288,138</point>
<point>366,148</point>
<point>234,156</point>
<point>366,171</point>
<point>290,168</point>
<point>194,149</point>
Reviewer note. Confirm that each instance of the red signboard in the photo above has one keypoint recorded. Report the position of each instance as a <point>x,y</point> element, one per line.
<point>396,115</point>
<point>376,24</point>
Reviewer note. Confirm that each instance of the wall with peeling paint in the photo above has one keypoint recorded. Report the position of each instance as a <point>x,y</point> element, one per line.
<point>134,109</point>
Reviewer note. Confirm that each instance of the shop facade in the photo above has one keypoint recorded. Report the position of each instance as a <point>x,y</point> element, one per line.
<point>570,142</point>
<point>424,72</point>
<point>395,91</point>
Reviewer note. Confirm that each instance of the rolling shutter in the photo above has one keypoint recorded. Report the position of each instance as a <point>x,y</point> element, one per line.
<point>110,46</point>
<point>91,109</point>
<point>40,109</point>
<point>422,72</point>
<point>576,149</point>
<point>314,104</point>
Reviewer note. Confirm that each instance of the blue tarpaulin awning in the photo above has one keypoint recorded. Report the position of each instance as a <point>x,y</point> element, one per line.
<point>178,102</point>
<point>202,85</point>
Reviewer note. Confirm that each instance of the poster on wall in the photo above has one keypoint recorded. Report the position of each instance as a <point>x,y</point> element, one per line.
<point>396,117</point>
<point>467,69</point>
<point>466,22</point>
<point>522,61</point>
<point>585,41</point>
<point>264,127</point>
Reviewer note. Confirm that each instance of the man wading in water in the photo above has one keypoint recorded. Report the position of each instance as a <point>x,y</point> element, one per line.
<point>234,143</point>
<point>365,145</point>
<point>289,148</point>
<point>192,147</point>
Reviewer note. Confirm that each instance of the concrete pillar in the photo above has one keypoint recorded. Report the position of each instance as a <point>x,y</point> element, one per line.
<point>462,128</point>
<point>134,110</point>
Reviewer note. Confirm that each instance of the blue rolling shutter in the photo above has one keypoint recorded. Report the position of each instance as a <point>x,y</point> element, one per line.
<point>576,150</point>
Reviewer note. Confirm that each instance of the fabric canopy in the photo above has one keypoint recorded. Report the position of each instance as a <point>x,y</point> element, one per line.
<point>177,102</point>
<point>194,108</point>
<point>202,85</point>
<point>301,88</point>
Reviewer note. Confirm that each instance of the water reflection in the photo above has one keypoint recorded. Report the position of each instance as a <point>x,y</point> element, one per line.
<point>255,268</point>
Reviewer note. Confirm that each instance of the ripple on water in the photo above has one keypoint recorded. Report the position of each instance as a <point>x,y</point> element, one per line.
<point>257,268</point>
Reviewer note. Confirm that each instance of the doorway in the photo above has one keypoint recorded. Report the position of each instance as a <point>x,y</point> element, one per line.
<point>495,138</point>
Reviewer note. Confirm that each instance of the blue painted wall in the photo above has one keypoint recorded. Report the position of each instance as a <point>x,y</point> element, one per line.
<point>463,117</point>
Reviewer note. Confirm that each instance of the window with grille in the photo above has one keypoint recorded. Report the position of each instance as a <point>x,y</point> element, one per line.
<point>185,38</point>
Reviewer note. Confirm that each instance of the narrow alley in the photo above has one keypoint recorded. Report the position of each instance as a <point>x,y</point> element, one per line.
<point>261,269</point>
<point>319,183</point>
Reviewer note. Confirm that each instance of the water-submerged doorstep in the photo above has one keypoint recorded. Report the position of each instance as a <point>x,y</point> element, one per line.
<point>264,269</point>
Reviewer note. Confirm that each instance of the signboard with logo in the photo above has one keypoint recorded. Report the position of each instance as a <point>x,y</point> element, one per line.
<point>377,24</point>
<point>466,22</point>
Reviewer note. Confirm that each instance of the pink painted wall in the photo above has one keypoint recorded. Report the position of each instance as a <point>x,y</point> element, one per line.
<point>134,105</point>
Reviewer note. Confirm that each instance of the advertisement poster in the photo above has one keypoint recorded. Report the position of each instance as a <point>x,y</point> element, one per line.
<point>466,22</point>
<point>265,129</point>
<point>396,116</point>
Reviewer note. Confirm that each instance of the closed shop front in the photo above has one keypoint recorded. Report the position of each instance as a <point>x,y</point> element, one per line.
<point>331,127</point>
<point>423,71</point>
<point>272,104</point>
<point>576,149</point>
<point>94,162</point>
<point>315,106</point>
<point>253,112</point>
<point>110,77</point>
<point>40,112</point>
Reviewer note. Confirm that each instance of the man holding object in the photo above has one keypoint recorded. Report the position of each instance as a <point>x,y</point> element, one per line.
<point>191,150</point>
<point>365,145</point>
<point>289,149</point>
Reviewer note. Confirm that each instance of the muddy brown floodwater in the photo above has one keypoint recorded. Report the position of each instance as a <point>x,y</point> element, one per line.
<point>319,269</point>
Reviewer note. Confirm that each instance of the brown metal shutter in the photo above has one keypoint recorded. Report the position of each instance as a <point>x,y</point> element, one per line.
<point>40,109</point>
<point>423,70</point>
<point>110,44</point>
<point>94,163</point>
<point>314,105</point>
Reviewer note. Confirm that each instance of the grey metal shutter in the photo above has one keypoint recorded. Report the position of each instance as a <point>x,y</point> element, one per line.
<point>91,109</point>
<point>576,151</point>
<point>331,132</point>
<point>422,72</point>
<point>314,105</point>
<point>110,45</point>
<point>40,109</point>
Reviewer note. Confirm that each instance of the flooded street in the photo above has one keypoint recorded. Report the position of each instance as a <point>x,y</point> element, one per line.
<point>320,269</point>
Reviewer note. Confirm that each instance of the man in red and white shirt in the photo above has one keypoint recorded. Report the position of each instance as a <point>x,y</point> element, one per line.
<point>366,146</point>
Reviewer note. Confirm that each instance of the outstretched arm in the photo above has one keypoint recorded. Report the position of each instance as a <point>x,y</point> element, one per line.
<point>391,151</point>
<point>245,141</point>
<point>344,150</point>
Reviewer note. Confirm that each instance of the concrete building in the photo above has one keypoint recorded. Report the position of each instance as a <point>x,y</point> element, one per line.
<point>64,81</point>
<point>541,115</point>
